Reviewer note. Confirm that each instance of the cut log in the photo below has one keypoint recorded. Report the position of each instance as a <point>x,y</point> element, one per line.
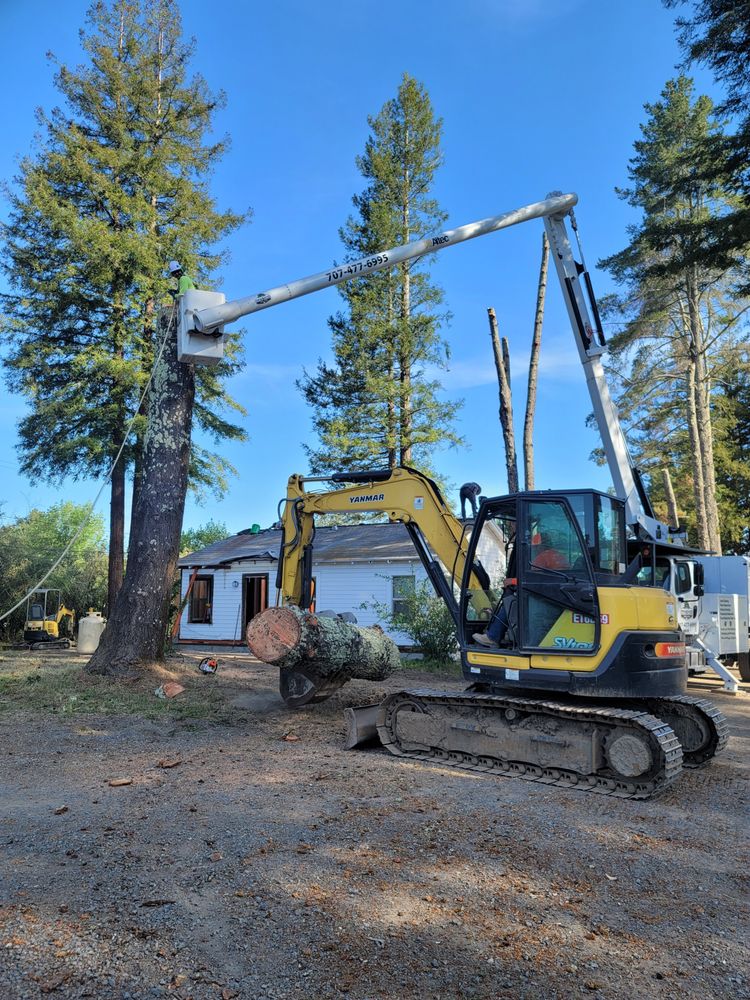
<point>316,655</point>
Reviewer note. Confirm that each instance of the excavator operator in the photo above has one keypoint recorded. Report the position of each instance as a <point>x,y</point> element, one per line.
<point>505,616</point>
<point>546,554</point>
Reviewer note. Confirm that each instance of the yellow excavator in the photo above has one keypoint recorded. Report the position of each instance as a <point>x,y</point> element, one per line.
<point>577,673</point>
<point>586,685</point>
<point>45,613</point>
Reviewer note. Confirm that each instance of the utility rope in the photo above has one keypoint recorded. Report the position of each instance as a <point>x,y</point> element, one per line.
<point>108,477</point>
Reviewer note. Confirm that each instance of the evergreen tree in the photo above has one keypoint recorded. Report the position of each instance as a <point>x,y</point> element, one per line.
<point>681,323</point>
<point>733,455</point>
<point>718,36</point>
<point>116,189</point>
<point>377,405</point>
<point>194,539</point>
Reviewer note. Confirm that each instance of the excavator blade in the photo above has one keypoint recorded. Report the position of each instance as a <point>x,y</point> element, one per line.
<point>361,726</point>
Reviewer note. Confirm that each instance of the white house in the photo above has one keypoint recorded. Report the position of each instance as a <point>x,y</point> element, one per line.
<point>235,579</point>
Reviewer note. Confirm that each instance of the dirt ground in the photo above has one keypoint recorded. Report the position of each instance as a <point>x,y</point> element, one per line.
<point>268,862</point>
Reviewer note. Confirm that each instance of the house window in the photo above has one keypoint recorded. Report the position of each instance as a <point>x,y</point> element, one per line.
<point>403,587</point>
<point>201,600</point>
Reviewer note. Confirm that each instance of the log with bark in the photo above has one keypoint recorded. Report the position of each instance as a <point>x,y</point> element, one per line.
<point>316,654</point>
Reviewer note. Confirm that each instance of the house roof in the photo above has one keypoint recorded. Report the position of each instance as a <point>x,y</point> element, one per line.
<point>344,543</point>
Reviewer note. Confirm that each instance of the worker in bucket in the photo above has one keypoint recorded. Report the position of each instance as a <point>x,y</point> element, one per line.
<point>184,281</point>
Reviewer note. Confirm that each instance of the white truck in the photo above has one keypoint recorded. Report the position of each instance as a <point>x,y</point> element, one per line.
<point>724,609</point>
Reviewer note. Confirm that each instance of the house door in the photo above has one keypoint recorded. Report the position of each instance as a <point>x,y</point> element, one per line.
<point>254,597</point>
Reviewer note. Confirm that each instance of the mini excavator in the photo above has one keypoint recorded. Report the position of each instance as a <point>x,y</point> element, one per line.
<point>587,685</point>
<point>45,613</point>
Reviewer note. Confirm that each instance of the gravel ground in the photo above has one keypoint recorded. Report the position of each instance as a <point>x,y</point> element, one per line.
<point>270,863</point>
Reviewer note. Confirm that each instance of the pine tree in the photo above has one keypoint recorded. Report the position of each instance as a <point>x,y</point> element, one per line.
<point>681,324</point>
<point>733,455</point>
<point>377,405</point>
<point>717,35</point>
<point>117,188</point>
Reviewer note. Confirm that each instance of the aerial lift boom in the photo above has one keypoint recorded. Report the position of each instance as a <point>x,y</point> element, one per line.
<point>582,630</point>
<point>201,328</point>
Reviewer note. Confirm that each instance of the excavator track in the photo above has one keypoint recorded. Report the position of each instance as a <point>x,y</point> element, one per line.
<point>700,727</point>
<point>626,753</point>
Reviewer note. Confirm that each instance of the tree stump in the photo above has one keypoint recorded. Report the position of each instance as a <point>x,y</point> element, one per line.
<point>316,655</point>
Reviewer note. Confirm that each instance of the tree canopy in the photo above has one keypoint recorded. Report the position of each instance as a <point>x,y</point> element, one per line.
<point>683,327</point>
<point>117,186</point>
<point>717,35</point>
<point>378,404</point>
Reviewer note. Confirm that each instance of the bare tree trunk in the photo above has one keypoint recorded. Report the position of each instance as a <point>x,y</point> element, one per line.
<point>136,631</point>
<point>536,343</point>
<point>116,567</point>
<point>673,515</point>
<point>502,364</point>
<point>116,563</point>
<point>392,415</point>
<point>706,433</point>
<point>696,460</point>
<point>704,423</point>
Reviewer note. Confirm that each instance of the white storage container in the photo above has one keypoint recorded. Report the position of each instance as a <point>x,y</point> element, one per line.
<point>90,629</point>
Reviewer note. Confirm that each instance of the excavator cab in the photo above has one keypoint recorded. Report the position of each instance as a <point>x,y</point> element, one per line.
<point>538,588</point>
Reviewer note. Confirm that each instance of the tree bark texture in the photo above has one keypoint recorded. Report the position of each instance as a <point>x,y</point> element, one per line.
<point>288,637</point>
<point>536,344</point>
<point>706,431</point>
<point>405,361</point>
<point>672,512</point>
<point>703,421</point>
<point>136,631</point>
<point>116,564</point>
<point>502,364</point>
<point>695,452</point>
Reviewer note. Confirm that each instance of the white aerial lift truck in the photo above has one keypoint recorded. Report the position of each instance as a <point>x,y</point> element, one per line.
<point>668,560</point>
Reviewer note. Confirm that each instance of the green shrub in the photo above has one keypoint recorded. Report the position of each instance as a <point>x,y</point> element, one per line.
<point>425,619</point>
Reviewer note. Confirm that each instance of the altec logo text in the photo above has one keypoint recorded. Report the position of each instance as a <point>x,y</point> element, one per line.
<point>370,498</point>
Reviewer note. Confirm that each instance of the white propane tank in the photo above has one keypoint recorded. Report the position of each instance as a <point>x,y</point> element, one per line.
<point>90,629</point>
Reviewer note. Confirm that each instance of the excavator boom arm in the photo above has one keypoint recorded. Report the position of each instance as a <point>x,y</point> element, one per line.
<point>403,495</point>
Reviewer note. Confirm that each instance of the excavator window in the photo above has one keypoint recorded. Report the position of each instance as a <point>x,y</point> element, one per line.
<point>601,519</point>
<point>554,542</point>
<point>542,592</point>
<point>493,548</point>
<point>610,535</point>
<point>557,594</point>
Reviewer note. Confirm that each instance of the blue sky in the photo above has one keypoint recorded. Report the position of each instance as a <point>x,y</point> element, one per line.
<point>535,95</point>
